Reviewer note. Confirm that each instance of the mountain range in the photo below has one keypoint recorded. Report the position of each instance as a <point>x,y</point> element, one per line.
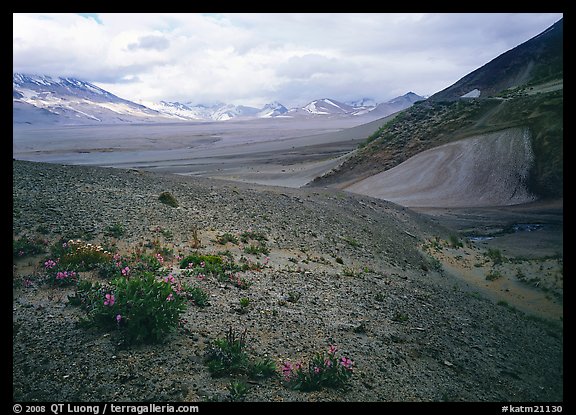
<point>42,99</point>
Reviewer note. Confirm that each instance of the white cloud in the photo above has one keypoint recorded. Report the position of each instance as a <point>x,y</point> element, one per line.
<point>257,58</point>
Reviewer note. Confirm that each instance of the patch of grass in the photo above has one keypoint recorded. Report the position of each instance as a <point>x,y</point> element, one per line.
<point>493,275</point>
<point>262,368</point>
<point>253,235</point>
<point>168,199</point>
<point>116,230</point>
<point>495,256</point>
<point>352,242</point>
<point>28,246</point>
<point>350,272</point>
<point>432,263</point>
<point>228,356</point>
<point>198,296</point>
<point>210,262</point>
<point>237,390</point>
<point>293,296</point>
<point>505,304</point>
<point>257,249</point>
<point>225,238</point>
<point>400,317</point>
<point>455,241</point>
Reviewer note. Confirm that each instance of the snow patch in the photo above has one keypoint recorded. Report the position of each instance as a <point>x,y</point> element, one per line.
<point>475,93</point>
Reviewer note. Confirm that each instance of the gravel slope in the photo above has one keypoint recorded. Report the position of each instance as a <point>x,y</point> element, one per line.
<point>415,334</point>
<point>486,170</point>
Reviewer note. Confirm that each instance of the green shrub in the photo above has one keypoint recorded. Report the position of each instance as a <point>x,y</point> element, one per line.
<point>168,199</point>
<point>225,238</point>
<point>198,296</point>
<point>258,249</point>
<point>27,246</point>
<point>253,235</point>
<point>228,356</point>
<point>116,230</point>
<point>493,275</point>
<point>495,256</point>
<point>237,390</point>
<point>144,308</point>
<point>455,242</point>
<point>80,256</point>
<point>209,262</point>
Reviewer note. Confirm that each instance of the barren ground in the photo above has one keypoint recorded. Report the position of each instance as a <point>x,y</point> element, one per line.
<point>417,329</point>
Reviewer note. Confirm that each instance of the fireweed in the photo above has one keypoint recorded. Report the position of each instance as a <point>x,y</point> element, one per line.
<point>143,306</point>
<point>60,275</point>
<point>324,370</point>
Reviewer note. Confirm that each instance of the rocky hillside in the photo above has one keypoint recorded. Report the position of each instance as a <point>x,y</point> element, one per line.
<point>536,61</point>
<point>322,268</point>
<point>534,101</point>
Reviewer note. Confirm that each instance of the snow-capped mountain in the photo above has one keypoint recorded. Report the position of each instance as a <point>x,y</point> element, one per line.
<point>41,99</point>
<point>363,103</point>
<point>217,112</point>
<point>327,106</point>
<point>274,109</point>
<point>364,106</point>
<point>396,104</point>
<point>44,99</point>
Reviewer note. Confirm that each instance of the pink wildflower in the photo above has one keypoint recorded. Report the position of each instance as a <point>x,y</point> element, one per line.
<point>332,349</point>
<point>202,264</point>
<point>125,271</point>
<point>316,369</point>
<point>118,318</point>
<point>49,264</point>
<point>287,370</point>
<point>170,278</point>
<point>201,277</point>
<point>109,300</point>
<point>170,297</point>
<point>347,363</point>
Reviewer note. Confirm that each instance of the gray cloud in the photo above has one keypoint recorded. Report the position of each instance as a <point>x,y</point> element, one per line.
<point>255,58</point>
<point>150,42</point>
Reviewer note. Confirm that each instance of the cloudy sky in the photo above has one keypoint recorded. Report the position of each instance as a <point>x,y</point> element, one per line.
<point>256,58</point>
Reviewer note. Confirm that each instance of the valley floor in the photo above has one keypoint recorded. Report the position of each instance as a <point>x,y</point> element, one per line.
<point>379,281</point>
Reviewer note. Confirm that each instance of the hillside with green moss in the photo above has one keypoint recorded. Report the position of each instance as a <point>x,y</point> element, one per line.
<point>537,105</point>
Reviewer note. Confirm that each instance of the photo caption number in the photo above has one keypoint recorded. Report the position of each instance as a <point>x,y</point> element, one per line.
<point>547,408</point>
<point>35,409</point>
